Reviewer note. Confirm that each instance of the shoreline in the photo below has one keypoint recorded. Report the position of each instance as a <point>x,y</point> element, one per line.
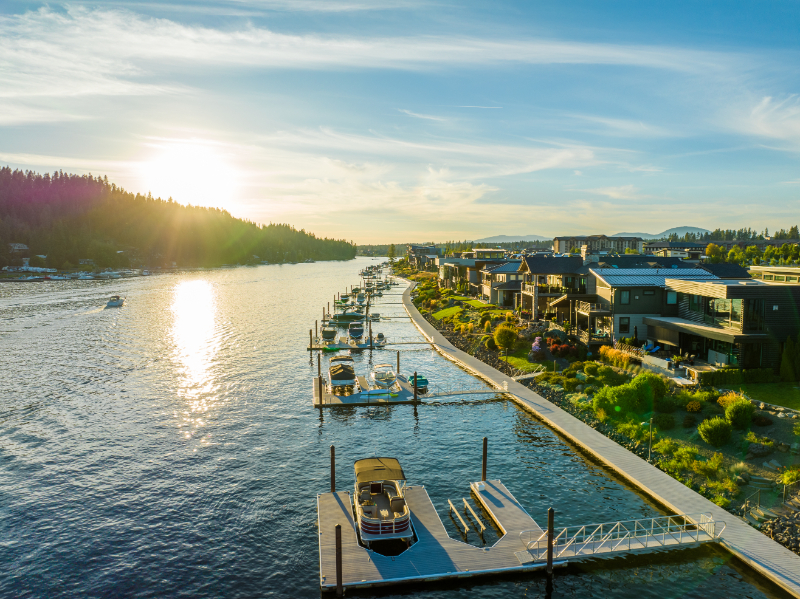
<point>765,556</point>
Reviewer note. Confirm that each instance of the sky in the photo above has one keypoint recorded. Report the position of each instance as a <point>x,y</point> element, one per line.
<point>385,122</point>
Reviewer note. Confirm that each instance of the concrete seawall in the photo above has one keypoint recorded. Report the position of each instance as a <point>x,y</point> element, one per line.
<point>764,555</point>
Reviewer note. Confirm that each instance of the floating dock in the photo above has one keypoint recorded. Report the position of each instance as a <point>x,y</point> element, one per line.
<point>436,556</point>
<point>403,395</point>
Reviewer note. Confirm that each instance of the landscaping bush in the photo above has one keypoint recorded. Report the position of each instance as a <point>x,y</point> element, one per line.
<point>666,446</point>
<point>657,383</point>
<point>641,384</point>
<point>740,413</point>
<point>537,351</point>
<point>590,368</point>
<point>689,421</point>
<point>570,384</point>
<point>728,399</point>
<point>666,404</point>
<point>490,343</point>
<point>608,376</point>
<point>734,376</point>
<point>790,476</point>
<point>664,422</point>
<point>694,406</point>
<point>592,380</point>
<point>616,400</point>
<point>487,328</point>
<point>590,390</point>
<point>634,430</point>
<point>614,356</point>
<point>715,431</point>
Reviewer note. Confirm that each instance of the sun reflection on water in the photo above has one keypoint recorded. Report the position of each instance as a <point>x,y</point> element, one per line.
<point>194,332</point>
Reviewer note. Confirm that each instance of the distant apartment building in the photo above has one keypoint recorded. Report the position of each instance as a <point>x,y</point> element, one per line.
<point>596,243</point>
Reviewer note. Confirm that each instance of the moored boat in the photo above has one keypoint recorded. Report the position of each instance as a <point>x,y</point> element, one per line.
<point>421,381</point>
<point>382,376</point>
<point>328,332</point>
<point>115,302</point>
<point>381,510</point>
<point>356,330</point>
<point>342,375</point>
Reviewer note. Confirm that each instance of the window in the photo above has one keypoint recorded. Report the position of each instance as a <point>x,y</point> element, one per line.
<point>695,303</point>
<point>791,279</point>
<point>767,277</point>
<point>649,292</point>
<point>625,298</point>
<point>672,297</point>
<point>754,314</point>
<point>624,324</point>
<point>780,278</point>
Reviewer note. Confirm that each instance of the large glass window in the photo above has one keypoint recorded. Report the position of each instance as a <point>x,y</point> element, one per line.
<point>695,303</point>
<point>754,315</point>
<point>624,297</point>
<point>672,297</point>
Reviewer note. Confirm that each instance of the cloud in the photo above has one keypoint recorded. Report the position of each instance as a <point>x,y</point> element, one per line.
<point>422,116</point>
<point>775,119</point>
<point>624,127</point>
<point>622,192</point>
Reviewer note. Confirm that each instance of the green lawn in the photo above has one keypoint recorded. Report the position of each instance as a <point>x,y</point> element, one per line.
<point>780,394</point>
<point>479,304</point>
<point>460,298</point>
<point>447,312</point>
<point>519,358</point>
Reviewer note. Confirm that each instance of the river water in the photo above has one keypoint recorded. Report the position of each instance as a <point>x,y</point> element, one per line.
<point>169,448</point>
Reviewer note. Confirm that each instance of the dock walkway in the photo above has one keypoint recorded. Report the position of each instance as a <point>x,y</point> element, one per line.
<point>764,555</point>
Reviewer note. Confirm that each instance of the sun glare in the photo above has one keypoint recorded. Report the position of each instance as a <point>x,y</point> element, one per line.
<point>191,172</point>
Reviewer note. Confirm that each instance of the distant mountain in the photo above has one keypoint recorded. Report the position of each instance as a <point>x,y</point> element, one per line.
<point>511,238</point>
<point>680,231</point>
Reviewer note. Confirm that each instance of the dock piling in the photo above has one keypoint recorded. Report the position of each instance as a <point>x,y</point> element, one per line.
<point>319,366</point>
<point>310,339</point>
<point>415,383</point>
<point>550,525</point>
<point>339,585</point>
<point>333,469</point>
<point>485,452</point>
<point>316,328</point>
<point>398,362</point>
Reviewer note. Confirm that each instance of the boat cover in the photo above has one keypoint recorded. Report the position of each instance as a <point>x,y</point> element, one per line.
<point>342,372</point>
<point>370,469</point>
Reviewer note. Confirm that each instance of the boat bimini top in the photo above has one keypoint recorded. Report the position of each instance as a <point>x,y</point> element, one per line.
<point>374,469</point>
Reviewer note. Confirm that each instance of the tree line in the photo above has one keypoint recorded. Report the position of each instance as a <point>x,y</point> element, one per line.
<point>69,217</point>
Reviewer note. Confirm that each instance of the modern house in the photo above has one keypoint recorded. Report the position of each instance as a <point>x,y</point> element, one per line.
<point>564,245</point>
<point>678,249</point>
<point>742,323</point>
<point>624,298</point>
<point>422,256</point>
<point>546,279</point>
<point>778,275</point>
<point>501,282</point>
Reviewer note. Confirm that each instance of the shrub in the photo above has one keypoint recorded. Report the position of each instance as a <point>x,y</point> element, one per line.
<point>590,368</point>
<point>485,317</point>
<point>571,384</point>
<point>616,400</point>
<point>666,446</point>
<point>728,399</point>
<point>471,327</point>
<point>614,356</point>
<point>689,421</point>
<point>657,383</point>
<point>715,431</point>
<point>796,429</point>
<point>740,413</point>
<point>694,406</point>
<point>609,377</point>
<point>710,468</point>
<point>739,468</point>
<point>505,336</point>
<point>790,476</point>
<point>509,316</point>
<point>734,376</point>
<point>590,390</point>
<point>751,437</point>
<point>490,344</point>
<point>641,385</point>
<point>666,405</point>
<point>592,380</point>
<point>634,430</point>
<point>664,422</point>
<point>488,326</point>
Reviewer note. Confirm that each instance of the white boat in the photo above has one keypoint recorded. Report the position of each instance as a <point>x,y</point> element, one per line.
<point>382,376</point>
<point>379,340</point>
<point>342,375</point>
<point>86,277</point>
<point>360,298</point>
<point>381,510</point>
<point>115,302</point>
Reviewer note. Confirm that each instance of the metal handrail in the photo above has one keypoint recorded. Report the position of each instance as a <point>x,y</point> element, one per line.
<point>594,538</point>
<point>453,509</point>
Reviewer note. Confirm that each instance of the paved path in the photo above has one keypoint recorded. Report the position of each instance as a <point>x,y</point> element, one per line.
<point>757,550</point>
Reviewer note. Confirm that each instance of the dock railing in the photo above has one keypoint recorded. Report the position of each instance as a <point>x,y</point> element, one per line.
<point>625,535</point>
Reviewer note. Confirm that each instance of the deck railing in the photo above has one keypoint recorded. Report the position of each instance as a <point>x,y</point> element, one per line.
<point>624,536</point>
<point>587,307</point>
<point>587,337</point>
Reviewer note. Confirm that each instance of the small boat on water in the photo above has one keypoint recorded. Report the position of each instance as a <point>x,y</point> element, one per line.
<point>361,298</point>
<point>374,316</point>
<point>421,381</point>
<point>328,332</point>
<point>346,317</point>
<point>356,330</point>
<point>115,302</point>
<point>381,510</point>
<point>379,340</point>
<point>342,375</point>
<point>382,376</point>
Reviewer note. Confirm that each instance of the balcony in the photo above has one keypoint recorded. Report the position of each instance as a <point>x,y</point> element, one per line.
<point>541,289</point>
<point>589,309</point>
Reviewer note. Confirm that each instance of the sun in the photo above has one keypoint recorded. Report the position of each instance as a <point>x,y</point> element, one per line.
<point>191,172</point>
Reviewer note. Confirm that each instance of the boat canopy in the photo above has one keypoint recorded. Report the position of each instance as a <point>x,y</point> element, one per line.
<point>370,469</point>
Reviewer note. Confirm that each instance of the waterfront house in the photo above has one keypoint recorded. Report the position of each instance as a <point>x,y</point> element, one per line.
<point>728,322</point>
<point>547,278</point>
<point>500,283</point>
<point>778,275</point>
<point>422,256</point>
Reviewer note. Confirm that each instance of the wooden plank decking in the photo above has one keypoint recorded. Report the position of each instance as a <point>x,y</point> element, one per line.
<point>764,555</point>
<point>434,556</point>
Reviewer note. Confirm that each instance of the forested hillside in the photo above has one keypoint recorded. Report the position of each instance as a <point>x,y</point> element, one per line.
<point>71,217</point>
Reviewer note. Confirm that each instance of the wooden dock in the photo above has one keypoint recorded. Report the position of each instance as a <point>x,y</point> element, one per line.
<point>764,555</point>
<point>404,395</point>
<point>434,555</point>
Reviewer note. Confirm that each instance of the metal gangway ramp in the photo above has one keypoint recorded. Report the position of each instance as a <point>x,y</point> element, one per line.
<point>628,536</point>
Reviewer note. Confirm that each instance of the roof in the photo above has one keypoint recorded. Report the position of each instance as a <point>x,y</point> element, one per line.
<point>649,277</point>
<point>674,244</point>
<point>509,286</point>
<point>725,270</point>
<point>510,266</point>
<point>553,265</point>
<point>370,469</point>
<point>639,261</point>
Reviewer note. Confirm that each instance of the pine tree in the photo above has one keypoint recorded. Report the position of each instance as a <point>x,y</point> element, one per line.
<point>787,362</point>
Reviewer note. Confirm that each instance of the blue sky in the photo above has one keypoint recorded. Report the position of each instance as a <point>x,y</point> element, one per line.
<point>425,120</point>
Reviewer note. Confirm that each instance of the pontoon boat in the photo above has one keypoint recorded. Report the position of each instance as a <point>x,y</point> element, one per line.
<point>381,510</point>
<point>383,376</point>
